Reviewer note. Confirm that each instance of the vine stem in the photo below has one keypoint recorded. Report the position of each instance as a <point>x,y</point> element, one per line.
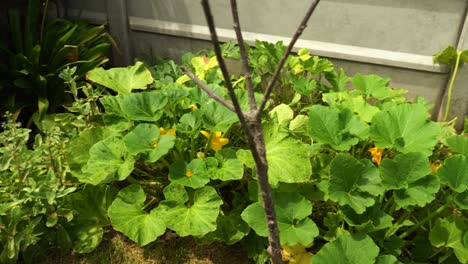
<point>422,222</point>
<point>452,80</point>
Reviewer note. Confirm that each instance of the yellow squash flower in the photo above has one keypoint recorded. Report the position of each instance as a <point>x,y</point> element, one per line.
<point>376,154</point>
<point>434,166</point>
<point>163,131</point>
<point>216,140</point>
<point>189,173</point>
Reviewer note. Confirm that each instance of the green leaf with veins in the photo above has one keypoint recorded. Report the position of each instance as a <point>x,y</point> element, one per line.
<point>349,249</point>
<point>216,117</point>
<point>405,127</point>
<point>458,143</point>
<point>356,103</point>
<point>230,228</point>
<point>292,211</point>
<point>341,129</point>
<point>77,150</point>
<point>371,220</point>
<point>449,233</point>
<point>193,174</point>
<point>387,259</point>
<point>408,174</point>
<point>354,182</point>
<point>145,106</point>
<point>282,113</point>
<point>108,161</point>
<point>404,169</point>
<point>446,56</point>
<point>454,173</point>
<point>145,138</point>
<point>372,85</point>
<point>461,199</point>
<point>225,166</point>
<point>128,216</point>
<point>196,217</point>
<point>122,80</point>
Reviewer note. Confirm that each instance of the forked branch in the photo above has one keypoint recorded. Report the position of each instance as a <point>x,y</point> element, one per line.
<point>251,121</point>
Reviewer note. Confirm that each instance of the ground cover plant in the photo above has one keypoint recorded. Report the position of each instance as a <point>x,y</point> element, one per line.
<point>358,173</point>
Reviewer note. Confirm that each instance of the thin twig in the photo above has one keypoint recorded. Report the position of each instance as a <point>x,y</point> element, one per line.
<point>222,64</point>
<point>278,69</point>
<point>207,89</point>
<point>243,54</point>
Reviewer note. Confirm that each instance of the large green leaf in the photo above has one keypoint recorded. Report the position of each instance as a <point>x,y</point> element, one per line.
<point>458,143</point>
<point>230,228</point>
<point>387,259</point>
<point>446,56</point>
<point>454,173</point>
<point>461,199</point>
<point>193,174</point>
<point>122,80</point>
<point>288,158</point>
<point>349,249</point>
<point>225,166</point>
<point>216,117</point>
<point>356,103</point>
<point>196,217</point>
<point>90,206</point>
<point>108,161</point>
<point>146,138</point>
<point>341,129</point>
<point>77,151</point>
<point>146,106</point>
<point>405,127</point>
<point>371,220</point>
<point>408,174</point>
<point>372,85</point>
<point>292,211</point>
<point>450,233</point>
<point>354,182</point>
<point>128,216</point>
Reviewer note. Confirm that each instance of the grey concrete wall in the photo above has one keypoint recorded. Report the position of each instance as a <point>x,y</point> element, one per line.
<point>392,38</point>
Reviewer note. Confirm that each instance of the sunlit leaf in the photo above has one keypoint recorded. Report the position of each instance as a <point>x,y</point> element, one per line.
<point>122,80</point>
<point>454,173</point>
<point>405,127</point>
<point>196,218</point>
<point>292,211</point>
<point>108,161</point>
<point>372,85</point>
<point>354,182</point>
<point>146,138</point>
<point>350,249</point>
<point>341,129</point>
<point>128,216</point>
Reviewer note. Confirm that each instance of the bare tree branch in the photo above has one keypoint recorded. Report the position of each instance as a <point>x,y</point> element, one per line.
<point>243,54</point>
<point>278,69</point>
<point>222,64</point>
<point>251,121</point>
<point>207,89</point>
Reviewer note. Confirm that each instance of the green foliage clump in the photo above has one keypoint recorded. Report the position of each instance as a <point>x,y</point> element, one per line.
<point>359,173</point>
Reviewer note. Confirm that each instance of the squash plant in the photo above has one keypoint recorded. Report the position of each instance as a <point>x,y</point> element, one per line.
<point>353,164</point>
